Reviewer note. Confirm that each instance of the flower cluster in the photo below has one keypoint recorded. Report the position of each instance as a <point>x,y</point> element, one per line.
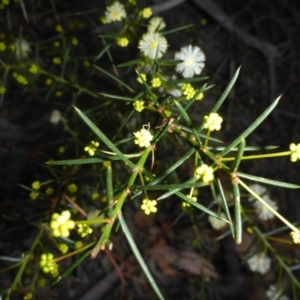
<point>20,78</point>
<point>35,193</point>
<point>49,190</point>
<point>139,105</point>
<point>213,122</point>
<point>63,248</point>
<point>115,12</point>
<point>33,69</point>
<point>2,90</point>
<point>149,206</point>
<point>156,82</point>
<point>95,196</point>
<point>295,152</point>
<point>189,92</point>
<point>61,224</point>
<point>48,265</point>
<point>146,13</point>
<point>192,61</point>
<point>186,204</point>
<point>84,230</point>
<point>59,28</point>
<point>56,60</point>
<point>36,185</point>
<point>74,41</point>
<point>217,223</point>
<point>2,46</point>
<point>122,41</point>
<point>205,173</point>
<point>91,148</point>
<point>296,236</point>
<point>143,138</point>
<point>259,263</point>
<point>72,188</point>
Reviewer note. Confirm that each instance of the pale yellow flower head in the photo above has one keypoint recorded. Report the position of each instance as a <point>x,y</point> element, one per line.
<point>156,24</point>
<point>91,148</point>
<point>2,90</point>
<point>186,204</point>
<point>61,224</point>
<point>115,12</point>
<point>188,91</point>
<point>149,206</point>
<point>205,173</point>
<point>22,48</point>
<point>84,230</point>
<point>156,82</point>
<point>36,185</point>
<point>2,46</point>
<point>146,13</point>
<point>48,265</point>
<point>139,105</point>
<point>122,42</point>
<point>295,236</point>
<point>260,263</point>
<point>213,122</point>
<point>295,152</point>
<point>191,61</point>
<point>153,45</point>
<point>143,138</point>
<point>217,223</point>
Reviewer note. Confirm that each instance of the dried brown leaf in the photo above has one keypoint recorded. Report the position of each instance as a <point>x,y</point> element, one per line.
<point>187,261</point>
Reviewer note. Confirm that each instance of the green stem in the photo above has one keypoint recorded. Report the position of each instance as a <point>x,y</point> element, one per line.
<point>74,85</point>
<point>237,211</point>
<point>207,139</point>
<point>24,264</point>
<point>104,239</point>
<point>139,257</point>
<point>277,154</point>
<point>280,260</point>
<point>278,215</point>
<point>109,188</point>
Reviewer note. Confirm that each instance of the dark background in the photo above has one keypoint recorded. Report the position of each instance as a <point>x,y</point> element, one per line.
<point>261,36</point>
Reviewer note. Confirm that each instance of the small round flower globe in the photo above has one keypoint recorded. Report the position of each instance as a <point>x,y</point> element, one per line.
<point>192,61</point>
<point>143,138</point>
<point>55,116</point>
<point>156,24</point>
<point>217,223</point>
<point>153,45</point>
<point>22,48</point>
<point>263,211</point>
<point>213,122</point>
<point>204,173</point>
<point>295,152</point>
<point>115,12</point>
<point>295,236</point>
<point>260,263</point>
